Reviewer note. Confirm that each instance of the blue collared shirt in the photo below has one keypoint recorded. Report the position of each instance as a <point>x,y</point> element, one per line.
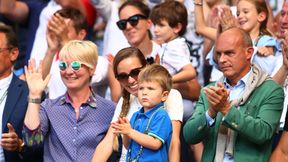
<point>160,127</point>
<point>67,138</point>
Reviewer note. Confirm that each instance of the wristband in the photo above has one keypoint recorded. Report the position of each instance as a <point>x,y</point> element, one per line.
<point>34,100</point>
<point>198,3</point>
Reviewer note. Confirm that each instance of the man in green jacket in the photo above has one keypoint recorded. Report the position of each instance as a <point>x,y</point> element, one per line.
<point>236,117</point>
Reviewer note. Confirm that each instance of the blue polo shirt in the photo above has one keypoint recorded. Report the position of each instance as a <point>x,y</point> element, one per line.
<point>160,127</point>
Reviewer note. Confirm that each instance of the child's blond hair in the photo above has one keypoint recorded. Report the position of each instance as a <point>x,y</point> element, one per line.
<point>156,73</point>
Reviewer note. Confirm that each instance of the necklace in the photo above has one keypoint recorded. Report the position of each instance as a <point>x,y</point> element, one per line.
<point>146,131</point>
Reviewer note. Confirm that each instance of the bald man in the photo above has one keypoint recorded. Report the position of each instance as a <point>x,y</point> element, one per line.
<point>236,117</point>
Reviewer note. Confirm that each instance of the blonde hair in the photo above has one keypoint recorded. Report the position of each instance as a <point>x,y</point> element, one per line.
<point>83,51</point>
<point>156,73</point>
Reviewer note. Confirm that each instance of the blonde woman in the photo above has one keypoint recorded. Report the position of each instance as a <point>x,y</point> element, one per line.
<point>74,123</point>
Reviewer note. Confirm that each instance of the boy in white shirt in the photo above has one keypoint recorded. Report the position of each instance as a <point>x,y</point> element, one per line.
<point>170,21</point>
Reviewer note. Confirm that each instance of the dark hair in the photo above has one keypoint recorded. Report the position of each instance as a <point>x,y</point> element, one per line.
<point>121,55</point>
<point>10,35</point>
<point>156,73</point>
<point>79,20</point>
<point>143,8</point>
<point>173,12</point>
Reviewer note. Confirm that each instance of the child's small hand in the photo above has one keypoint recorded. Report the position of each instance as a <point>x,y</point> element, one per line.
<point>265,51</point>
<point>122,126</point>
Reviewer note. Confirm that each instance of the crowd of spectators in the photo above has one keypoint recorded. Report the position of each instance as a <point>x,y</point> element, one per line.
<point>96,80</point>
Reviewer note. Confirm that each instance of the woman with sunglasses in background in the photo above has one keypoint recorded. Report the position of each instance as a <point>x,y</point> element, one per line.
<point>135,25</point>
<point>114,39</point>
<point>127,65</point>
<point>132,18</point>
<point>72,125</point>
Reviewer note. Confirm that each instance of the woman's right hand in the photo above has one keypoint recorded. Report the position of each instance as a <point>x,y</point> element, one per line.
<point>34,79</point>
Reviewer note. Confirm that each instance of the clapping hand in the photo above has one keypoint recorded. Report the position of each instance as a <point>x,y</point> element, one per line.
<point>218,99</point>
<point>284,43</point>
<point>59,26</point>
<point>122,126</point>
<point>226,19</point>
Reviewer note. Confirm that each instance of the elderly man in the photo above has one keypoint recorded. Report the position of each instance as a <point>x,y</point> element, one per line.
<point>236,117</point>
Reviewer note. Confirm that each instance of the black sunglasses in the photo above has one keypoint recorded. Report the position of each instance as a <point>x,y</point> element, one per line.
<point>133,21</point>
<point>133,73</point>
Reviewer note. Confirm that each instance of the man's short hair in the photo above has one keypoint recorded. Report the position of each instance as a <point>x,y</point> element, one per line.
<point>11,38</point>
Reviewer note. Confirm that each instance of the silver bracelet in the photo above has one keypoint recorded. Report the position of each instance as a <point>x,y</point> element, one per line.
<point>34,100</point>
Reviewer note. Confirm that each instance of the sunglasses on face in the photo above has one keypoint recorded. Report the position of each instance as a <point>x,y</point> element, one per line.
<point>75,65</point>
<point>133,21</point>
<point>133,73</point>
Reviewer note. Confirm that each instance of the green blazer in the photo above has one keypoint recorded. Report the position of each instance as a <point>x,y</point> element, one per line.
<point>254,123</point>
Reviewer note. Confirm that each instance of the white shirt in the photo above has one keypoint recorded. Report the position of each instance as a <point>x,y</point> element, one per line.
<point>40,44</point>
<point>174,55</point>
<point>4,84</point>
<point>114,39</point>
<point>155,49</point>
<point>173,105</point>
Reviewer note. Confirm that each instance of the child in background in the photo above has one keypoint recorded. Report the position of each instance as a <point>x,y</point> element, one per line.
<point>170,21</point>
<point>148,135</point>
<point>252,17</point>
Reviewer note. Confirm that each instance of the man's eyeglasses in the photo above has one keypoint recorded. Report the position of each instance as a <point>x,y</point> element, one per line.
<point>4,49</point>
<point>133,21</point>
<point>133,73</point>
<point>75,65</point>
